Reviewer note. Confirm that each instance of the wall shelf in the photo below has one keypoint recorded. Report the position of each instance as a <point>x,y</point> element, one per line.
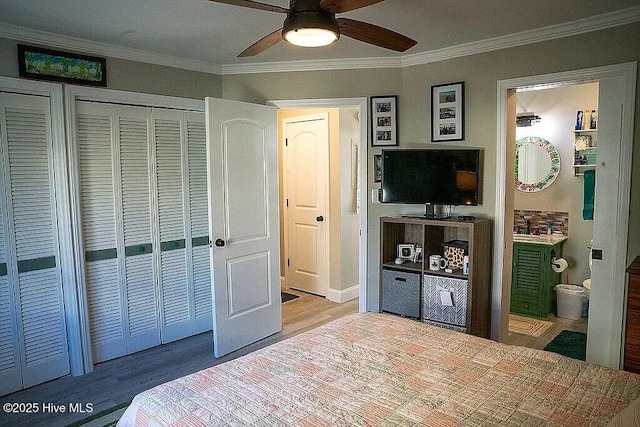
<point>585,148</point>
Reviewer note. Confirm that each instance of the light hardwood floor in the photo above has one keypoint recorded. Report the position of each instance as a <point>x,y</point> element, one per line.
<point>118,381</point>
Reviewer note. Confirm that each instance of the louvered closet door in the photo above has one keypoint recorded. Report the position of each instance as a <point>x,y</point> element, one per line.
<point>176,301</point>
<point>32,325</point>
<point>199,263</point>
<point>185,284</point>
<point>133,147</point>
<point>105,292</point>
<point>144,224</point>
<point>113,153</point>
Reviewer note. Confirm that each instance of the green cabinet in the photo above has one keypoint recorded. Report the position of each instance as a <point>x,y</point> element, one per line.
<point>533,279</point>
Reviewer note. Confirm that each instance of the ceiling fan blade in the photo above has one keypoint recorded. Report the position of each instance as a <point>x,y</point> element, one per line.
<point>375,35</point>
<point>339,6</point>
<point>262,44</point>
<point>254,5</point>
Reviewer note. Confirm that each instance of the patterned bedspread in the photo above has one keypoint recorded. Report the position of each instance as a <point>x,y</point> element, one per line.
<point>373,369</point>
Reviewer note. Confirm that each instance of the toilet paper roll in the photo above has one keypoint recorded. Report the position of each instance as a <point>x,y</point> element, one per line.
<point>559,265</point>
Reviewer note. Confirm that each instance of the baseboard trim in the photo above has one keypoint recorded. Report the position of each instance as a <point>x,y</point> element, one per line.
<point>343,295</point>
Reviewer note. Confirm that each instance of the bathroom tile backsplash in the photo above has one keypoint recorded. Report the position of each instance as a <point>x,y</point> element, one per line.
<point>538,220</point>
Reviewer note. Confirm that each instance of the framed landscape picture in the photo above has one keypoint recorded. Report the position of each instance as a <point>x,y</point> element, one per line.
<point>384,124</point>
<point>447,112</point>
<point>53,65</point>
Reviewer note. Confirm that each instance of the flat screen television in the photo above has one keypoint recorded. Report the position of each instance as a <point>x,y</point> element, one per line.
<point>431,176</point>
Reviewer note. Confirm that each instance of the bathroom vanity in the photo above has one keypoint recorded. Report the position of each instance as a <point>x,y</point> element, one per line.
<point>532,277</point>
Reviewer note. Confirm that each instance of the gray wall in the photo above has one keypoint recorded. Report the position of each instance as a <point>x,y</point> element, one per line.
<point>480,73</point>
<point>135,76</point>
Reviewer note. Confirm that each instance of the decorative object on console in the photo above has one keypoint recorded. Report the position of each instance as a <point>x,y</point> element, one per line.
<point>454,252</point>
<point>384,121</point>
<point>406,250</point>
<point>54,65</point>
<point>436,262</point>
<point>447,112</point>
<point>417,254</point>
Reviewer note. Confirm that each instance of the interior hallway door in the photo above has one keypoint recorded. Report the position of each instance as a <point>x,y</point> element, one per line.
<point>306,175</point>
<point>242,170</point>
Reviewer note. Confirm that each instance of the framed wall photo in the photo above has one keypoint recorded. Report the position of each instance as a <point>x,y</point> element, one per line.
<point>447,112</point>
<point>53,65</point>
<point>384,122</point>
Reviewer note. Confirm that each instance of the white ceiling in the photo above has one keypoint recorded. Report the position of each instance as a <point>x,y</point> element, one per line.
<point>212,34</point>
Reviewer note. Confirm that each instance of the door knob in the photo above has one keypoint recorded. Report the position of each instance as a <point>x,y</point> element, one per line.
<point>220,243</point>
<point>320,218</point>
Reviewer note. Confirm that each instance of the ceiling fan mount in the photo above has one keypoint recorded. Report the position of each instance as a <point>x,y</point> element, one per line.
<point>310,25</point>
<point>313,23</point>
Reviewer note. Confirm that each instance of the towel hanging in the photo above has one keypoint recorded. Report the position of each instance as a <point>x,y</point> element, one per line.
<point>589,194</point>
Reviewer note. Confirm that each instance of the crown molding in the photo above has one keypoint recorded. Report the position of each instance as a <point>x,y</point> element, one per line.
<point>90,47</point>
<point>312,65</point>
<point>552,32</point>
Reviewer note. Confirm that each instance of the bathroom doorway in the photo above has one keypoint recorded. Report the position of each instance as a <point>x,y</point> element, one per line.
<point>612,196</point>
<point>554,214</point>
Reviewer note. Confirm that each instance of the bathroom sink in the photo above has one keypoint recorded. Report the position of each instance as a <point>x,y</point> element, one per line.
<point>539,240</point>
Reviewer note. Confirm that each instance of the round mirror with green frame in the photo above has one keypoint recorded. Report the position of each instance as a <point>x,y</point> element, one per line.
<point>537,164</point>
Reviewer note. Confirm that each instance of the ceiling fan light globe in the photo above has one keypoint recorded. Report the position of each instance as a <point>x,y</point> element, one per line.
<point>311,37</point>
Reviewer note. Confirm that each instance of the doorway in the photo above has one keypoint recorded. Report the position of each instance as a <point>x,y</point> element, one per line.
<point>306,206</point>
<point>616,103</point>
<point>357,152</point>
<point>549,199</point>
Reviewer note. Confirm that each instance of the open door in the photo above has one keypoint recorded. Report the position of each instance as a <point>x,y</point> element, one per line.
<point>306,155</point>
<point>243,222</point>
<point>609,259</point>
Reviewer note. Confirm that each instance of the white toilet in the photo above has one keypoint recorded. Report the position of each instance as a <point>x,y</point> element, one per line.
<point>586,284</point>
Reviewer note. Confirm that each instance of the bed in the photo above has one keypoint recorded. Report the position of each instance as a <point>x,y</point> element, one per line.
<point>372,369</point>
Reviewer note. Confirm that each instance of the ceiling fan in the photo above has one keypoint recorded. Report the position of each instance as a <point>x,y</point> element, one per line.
<point>313,23</point>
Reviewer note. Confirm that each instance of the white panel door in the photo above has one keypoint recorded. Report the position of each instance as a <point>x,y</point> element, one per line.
<point>307,164</point>
<point>605,332</point>
<point>243,222</point>
<point>32,319</point>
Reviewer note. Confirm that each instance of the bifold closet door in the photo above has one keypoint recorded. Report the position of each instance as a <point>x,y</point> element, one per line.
<point>33,337</point>
<point>185,302</point>
<point>198,219</point>
<point>114,168</point>
<point>146,279</point>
